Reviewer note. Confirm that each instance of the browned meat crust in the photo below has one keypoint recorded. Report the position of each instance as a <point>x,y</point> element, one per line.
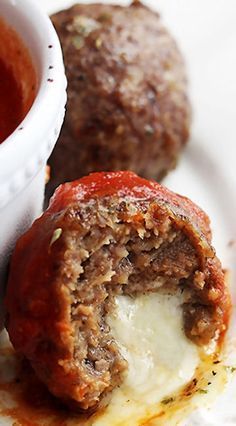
<point>107,234</point>
<point>127,104</point>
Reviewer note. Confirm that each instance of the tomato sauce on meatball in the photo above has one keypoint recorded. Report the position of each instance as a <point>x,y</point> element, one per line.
<point>105,235</point>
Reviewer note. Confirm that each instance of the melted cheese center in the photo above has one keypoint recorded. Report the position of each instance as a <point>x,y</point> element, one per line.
<point>149,331</point>
<point>161,360</point>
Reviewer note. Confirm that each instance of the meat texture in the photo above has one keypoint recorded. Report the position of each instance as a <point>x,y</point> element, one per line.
<point>127,104</point>
<point>105,235</point>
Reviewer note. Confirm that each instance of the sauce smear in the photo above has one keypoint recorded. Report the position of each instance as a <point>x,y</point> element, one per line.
<point>11,102</point>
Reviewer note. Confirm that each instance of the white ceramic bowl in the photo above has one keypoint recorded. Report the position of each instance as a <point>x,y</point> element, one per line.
<point>23,155</point>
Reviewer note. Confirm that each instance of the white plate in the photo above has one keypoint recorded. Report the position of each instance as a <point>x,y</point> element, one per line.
<point>206,32</point>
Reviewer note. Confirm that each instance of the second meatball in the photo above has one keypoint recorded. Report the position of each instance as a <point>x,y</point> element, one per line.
<point>127,104</point>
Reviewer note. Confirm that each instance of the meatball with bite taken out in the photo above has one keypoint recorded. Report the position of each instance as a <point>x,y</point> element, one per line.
<point>106,236</point>
<point>127,107</point>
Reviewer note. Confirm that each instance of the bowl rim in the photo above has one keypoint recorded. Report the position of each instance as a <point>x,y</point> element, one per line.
<point>30,139</point>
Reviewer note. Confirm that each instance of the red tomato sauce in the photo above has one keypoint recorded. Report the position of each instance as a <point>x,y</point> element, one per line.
<point>11,102</point>
<point>18,80</point>
<point>33,404</point>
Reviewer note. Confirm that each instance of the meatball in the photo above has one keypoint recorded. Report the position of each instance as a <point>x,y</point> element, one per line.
<point>127,103</point>
<point>105,235</point>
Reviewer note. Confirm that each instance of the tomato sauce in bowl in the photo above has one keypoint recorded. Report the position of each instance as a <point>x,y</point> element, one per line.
<point>11,108</point>
<point>18,81</point>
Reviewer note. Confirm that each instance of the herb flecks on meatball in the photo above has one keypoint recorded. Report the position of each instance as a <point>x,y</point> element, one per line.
<point>127,104</point>
<point>106,235</point>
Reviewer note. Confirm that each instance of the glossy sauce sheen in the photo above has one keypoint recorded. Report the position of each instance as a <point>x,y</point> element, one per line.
<point>11,102</point>
<point>44,313</point>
